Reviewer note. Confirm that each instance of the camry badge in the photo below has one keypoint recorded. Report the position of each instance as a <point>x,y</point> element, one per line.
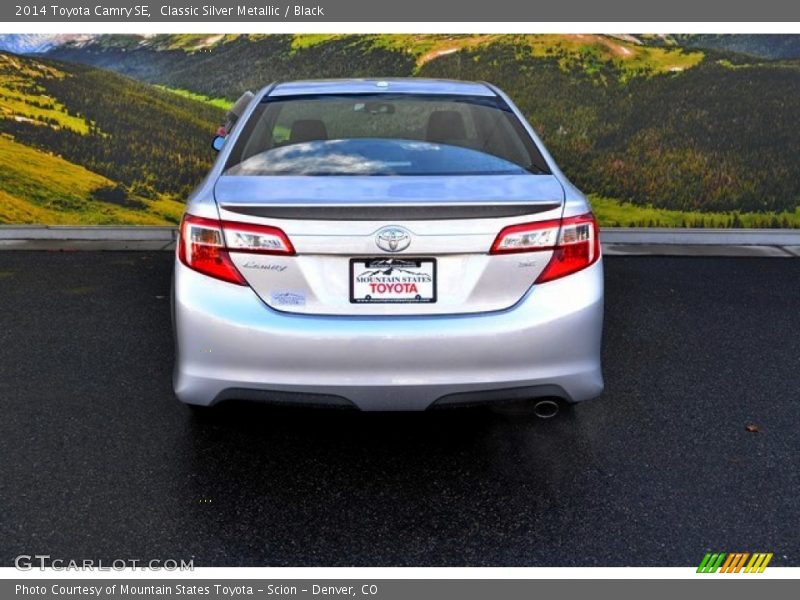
<point>393,239</point>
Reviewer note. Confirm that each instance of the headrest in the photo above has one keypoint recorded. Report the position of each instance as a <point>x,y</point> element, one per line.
<point>307,130</point>
<point>444,125</point>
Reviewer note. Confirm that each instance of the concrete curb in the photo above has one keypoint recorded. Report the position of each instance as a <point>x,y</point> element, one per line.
<point>697,250</point>
<point>617,241</point>
<point>90,237</point>
<point>715,237</point>
<point>88,232</point>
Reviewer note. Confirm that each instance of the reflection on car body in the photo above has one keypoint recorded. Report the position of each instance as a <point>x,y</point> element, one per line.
<point>386,245</point>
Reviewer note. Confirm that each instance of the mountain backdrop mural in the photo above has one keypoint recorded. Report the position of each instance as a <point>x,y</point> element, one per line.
<point>682,130</point>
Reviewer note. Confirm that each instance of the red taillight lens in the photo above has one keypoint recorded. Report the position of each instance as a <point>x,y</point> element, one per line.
<point>202,247</point>
<point>258,239</point>
<point>578,247</point>
<point>205,245</point>
<point>574,241</point>
<point>528,237</point>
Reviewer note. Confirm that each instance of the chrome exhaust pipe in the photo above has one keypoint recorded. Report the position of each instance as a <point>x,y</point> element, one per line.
<point>546,409</point>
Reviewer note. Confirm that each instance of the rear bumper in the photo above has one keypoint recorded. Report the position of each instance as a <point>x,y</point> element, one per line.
<point>229,344</point>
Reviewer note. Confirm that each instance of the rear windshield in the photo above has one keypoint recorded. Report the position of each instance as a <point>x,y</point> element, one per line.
<point>384,134</point>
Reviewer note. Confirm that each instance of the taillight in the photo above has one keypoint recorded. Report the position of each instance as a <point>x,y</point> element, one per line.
<point>205,245</point>
<point>258,239</point>
<point>574,241</point>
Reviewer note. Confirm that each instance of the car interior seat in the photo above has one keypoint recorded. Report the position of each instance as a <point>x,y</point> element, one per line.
<point>446,127</point>
<point>307,130</point>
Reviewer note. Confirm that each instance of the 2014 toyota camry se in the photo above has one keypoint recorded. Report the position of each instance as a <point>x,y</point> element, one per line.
<point>387,245</point>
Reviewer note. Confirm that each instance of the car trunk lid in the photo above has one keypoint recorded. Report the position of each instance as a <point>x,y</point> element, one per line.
<point>342,228</point>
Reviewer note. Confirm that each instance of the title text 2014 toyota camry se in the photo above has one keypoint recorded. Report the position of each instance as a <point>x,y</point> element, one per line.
<point>387,245</point>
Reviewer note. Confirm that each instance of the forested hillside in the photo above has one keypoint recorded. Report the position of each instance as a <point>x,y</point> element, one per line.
<point>225,66</point>
<point>765,45</point>
<point>715,137</point>
<point>646,122</point>
<point>82,144</point>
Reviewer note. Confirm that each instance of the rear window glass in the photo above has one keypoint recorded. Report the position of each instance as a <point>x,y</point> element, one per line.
<point>384,134</point>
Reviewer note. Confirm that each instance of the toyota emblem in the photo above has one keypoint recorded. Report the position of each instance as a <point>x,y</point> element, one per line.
<point>393,239</point>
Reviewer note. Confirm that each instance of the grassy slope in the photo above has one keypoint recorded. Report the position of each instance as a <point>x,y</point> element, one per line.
<point>615,213</point>
<point>222,103</point>
<point>238,62</point>
<point>49,136</point>
<point>36,187</point>
<point>21,97</point>
<point>583,49</point>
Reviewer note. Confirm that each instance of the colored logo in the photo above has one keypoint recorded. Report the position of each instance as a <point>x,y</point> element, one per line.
<point>734,562</point>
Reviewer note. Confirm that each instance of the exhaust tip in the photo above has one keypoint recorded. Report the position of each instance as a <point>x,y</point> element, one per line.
<point>546,409</point>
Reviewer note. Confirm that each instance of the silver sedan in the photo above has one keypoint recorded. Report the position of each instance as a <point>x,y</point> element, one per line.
<point>386,245</point>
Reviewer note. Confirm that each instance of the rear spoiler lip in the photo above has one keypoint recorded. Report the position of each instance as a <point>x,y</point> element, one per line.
<point>406,211</point>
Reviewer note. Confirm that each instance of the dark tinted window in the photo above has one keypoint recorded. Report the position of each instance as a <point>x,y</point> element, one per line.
<point>383,134</point>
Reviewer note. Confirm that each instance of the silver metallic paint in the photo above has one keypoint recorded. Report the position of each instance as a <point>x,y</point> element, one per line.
<point>227,338</point>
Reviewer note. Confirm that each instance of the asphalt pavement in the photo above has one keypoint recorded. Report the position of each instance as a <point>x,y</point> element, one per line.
<point>693,447</point>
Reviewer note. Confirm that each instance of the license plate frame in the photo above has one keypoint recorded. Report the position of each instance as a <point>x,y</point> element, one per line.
<point>403,264</point>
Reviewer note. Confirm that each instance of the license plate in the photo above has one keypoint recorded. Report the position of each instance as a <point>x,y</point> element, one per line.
<point>381,280</point>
